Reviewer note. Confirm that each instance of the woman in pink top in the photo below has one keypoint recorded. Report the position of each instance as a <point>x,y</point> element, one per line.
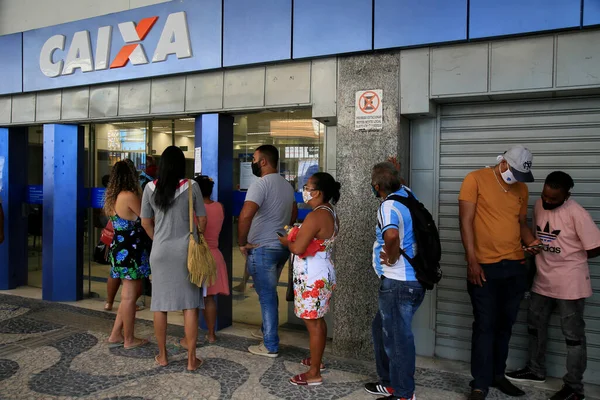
<point>216,215</point>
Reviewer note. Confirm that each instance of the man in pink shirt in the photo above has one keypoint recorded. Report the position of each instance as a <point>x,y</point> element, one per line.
<point>570,237</point>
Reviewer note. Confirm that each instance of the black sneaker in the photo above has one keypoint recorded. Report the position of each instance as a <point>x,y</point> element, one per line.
<point>378,389</point>
<point>524,375</point>
<point>477,394</point>
<point>566,393</point>
<point>504,385</point>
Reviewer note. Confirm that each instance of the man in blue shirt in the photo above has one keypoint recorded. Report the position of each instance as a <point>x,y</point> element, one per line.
<point>400,293</point>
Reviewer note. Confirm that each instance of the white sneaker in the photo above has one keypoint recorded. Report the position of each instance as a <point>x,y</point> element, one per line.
<point>261,350</point>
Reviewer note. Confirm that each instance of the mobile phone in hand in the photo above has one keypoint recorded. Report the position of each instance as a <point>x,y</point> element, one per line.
<point>279,234</point>
<point>537,246</point>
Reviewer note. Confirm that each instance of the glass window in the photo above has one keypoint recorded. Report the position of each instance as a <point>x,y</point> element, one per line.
<point>300,141</point>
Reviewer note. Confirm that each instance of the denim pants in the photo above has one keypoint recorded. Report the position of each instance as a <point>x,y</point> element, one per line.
<point>573,328</point>
<point>495,308</point>
<point>392,334</point>
<point>265,265</point>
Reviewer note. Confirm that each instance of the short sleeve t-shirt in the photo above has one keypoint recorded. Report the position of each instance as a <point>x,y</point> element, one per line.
<point>562,266</point>
<point>275,198</point>
<point>496,225</point>
<point>395,215</point>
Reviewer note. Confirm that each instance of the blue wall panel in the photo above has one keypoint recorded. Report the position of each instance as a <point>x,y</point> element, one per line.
<point>256,31</point>
<point>326,27</point>
<point>11,63</point>
<point>508,17</point>
<point>214,133</point>
<point>400,23</point>
<point>204,23</point>
<point>591,12</point>
<point>62,248</point>
<point>13,252</point>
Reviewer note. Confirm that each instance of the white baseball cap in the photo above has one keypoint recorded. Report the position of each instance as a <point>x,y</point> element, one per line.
<point>520,159</point>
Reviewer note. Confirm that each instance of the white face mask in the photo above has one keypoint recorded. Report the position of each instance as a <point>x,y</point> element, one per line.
<point>508,176</point>
<point>306,196</point>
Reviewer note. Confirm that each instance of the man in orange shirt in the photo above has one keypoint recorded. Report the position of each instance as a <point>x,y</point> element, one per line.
<point>494,230</point>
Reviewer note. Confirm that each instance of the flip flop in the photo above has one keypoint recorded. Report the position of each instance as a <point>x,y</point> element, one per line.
<point>156,362</point>
<point>114,345</point>
<point>209,341</point>
<point>143,342</point>
<point>200,363</point>
<point>300,380</point>
<point>306,363</point>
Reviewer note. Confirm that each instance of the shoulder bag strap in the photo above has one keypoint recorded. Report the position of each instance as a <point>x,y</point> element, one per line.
<point>191,207</point>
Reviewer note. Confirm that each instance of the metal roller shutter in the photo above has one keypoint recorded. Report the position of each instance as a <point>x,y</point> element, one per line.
<point>562,134</point>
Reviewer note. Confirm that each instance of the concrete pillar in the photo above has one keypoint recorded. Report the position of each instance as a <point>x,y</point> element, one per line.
<point>13,252</point>
<point>214,134</point>
<point>357,152</point>
<point>64,196</point>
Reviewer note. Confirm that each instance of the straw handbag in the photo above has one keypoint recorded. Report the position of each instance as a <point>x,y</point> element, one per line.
<point>201,264</point>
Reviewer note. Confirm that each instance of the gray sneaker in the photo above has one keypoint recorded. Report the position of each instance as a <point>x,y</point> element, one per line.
<point>257,333</point>
<point>261,350</point>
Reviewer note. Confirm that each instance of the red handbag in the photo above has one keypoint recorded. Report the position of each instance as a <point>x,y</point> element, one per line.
<point>108,233</point>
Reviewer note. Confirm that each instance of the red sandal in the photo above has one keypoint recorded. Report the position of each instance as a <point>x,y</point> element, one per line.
<point>306,363</point>
<point>300,380</point>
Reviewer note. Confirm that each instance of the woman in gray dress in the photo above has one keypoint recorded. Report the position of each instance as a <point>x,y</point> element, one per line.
<point>165,217</point>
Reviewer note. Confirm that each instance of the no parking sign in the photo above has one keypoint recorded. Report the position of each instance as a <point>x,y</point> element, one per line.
<point>369,110</point>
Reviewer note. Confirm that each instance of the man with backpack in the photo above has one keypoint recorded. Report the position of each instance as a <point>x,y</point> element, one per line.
<point>402,286</point>
<point>493,225</point>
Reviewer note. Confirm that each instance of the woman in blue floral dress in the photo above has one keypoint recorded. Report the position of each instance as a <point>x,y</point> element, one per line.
<point>129,251</point>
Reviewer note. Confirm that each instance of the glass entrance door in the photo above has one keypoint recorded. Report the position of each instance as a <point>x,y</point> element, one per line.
<point>300,141</point>
<point>140,142</point>
<point>35,160</point>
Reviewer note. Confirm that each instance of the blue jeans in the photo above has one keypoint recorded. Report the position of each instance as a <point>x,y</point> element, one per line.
<point>392,334</point>
<point>495,308</point>
<point>265,265</point>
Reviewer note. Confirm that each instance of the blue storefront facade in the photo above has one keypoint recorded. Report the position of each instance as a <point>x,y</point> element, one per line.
<point>453,73</point>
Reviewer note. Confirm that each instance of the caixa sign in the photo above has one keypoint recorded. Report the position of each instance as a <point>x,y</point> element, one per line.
<point>168,38</point>
<point>174,40</point>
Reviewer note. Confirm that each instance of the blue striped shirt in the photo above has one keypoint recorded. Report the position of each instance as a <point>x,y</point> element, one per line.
<point>394,215</point>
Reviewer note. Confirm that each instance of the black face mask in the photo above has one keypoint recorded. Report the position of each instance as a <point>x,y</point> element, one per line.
<point>551,206</point>
<point>375,192</point>
<point>256,169</point>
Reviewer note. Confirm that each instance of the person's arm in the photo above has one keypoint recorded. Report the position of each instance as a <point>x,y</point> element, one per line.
<point>390,222</point>
<point>391,249</point>
<point>1,224</point>
<point>593,253</point>
<point>254,199</point>
<point>147,213</point>
<point>307,232</point>
<point>587,231</point>
<point>294,213</point>
<point>467,208</point>
<point>527,235</point>
<point>398,167</point>
<point>199,208</point>
<point>248,212</point>
<point>148,225</point>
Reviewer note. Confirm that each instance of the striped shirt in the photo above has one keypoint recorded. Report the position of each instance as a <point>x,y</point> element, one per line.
<point>394,215</point>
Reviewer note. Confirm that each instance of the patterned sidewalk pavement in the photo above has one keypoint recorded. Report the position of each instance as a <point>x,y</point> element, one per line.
<point>57,351</point>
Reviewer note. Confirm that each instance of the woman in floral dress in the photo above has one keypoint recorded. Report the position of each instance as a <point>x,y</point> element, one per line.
<point>314,275</point>
<point>128,252</point>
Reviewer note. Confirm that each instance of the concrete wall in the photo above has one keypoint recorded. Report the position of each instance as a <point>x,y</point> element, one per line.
<point>357,152</point>
<point>287,85</point>
<point>17,15</point>
<point>549,65</point>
